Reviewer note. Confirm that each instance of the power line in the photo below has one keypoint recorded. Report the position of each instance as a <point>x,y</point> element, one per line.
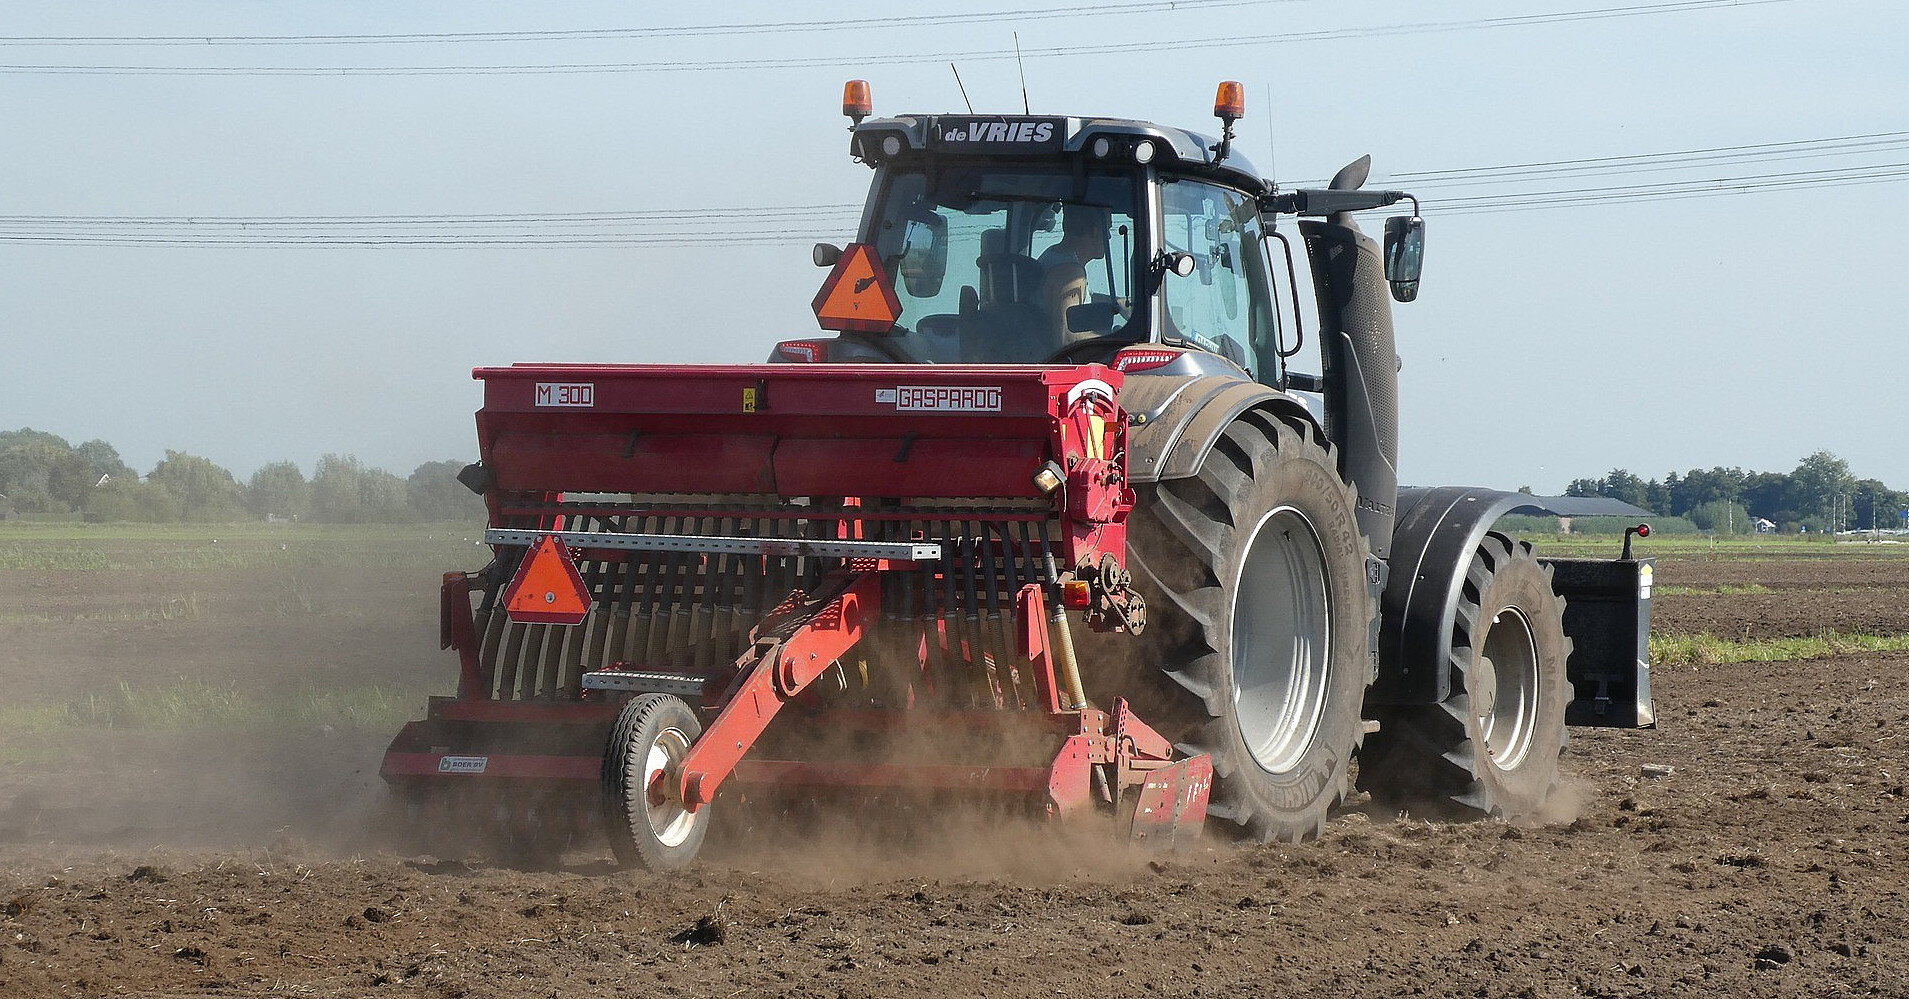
<point>797,223</point>
<point>1593,166</point>
<point>1655,162</point>
<point>876,59</point>
<point>682,31</point>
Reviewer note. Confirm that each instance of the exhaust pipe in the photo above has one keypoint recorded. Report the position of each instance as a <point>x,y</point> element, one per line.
<point>1359,359</point>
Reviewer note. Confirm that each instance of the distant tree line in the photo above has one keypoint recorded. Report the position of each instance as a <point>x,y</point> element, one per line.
<point>40,473</point>
<point>1820,494</point>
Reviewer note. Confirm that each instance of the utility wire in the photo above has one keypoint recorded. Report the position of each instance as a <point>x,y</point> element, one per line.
<point>656,31</point>
<point>794,224</point>
<point>1583,168</point>
<point>876,59</point>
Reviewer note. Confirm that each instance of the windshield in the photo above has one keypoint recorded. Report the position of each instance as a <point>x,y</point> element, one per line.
<point>1007,263</point>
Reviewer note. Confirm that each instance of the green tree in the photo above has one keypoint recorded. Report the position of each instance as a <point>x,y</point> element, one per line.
<point>1821,484</point>
<point>1698,487</point>
<point>1657,495</point>
<point>336,493</point>
<point>104,460</point>
<point>1721,516</point>
<point>28,459</point>
<point>383,498</point>
<point>1622,485</point>
<point>279,490</point>
<point>129,499</point>
<point>1766,494</point>
<point>436,494</point>
<point>206,492</point>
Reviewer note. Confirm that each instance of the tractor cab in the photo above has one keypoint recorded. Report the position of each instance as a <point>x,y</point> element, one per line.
<point>1031,239</point>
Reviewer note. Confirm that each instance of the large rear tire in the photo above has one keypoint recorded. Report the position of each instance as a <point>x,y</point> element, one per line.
<point>1260,624</point>
<point>1491,747</point>
<point>651,829</point>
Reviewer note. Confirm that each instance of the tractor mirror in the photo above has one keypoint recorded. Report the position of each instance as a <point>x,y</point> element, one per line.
<point>924,252</point>
<point>1404,255</point>
<point>1093,317</point>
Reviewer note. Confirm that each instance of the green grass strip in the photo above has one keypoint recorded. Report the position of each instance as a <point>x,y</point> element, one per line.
<point>187,705</point>
<point>1702,649</point>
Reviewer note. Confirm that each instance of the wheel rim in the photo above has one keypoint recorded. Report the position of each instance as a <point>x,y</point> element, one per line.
<point>1508,667</point>
<point>1282,634</point>
<point>670,821</point>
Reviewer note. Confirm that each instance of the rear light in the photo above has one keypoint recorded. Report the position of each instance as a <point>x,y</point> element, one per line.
<point>1144,359</point>
<point>1075,593</point>
<point>803,351</point>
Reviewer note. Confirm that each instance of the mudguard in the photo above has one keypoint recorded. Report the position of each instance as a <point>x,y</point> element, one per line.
<point>1437,531</point>
<point>1607,610</point>
<point>1177,420</point>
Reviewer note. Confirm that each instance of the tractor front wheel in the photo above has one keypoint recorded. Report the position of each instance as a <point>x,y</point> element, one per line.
<point>1256,573</point>
<point>648,823</point>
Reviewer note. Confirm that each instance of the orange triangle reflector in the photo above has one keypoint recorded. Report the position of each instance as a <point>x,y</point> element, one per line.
<point>547,588</point>
<point>857,295</point>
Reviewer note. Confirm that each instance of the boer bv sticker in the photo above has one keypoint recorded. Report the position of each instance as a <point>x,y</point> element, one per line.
<point>463,764</point>
<point>566,395</point>
<point>942,398</point>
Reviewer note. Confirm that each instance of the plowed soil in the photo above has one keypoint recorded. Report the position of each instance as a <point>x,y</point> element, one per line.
<point>1756,843</point>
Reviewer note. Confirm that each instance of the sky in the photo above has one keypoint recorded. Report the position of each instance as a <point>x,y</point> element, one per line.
<point>1550,340</point>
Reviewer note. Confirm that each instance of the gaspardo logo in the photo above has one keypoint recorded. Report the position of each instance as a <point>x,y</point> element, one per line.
<point>944,398</point>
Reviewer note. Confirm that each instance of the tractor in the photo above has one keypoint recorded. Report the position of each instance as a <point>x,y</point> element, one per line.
<point>1048,518</point>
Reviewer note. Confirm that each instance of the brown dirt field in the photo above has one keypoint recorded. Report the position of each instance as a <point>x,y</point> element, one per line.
<point>1771,862</point>
<point>1852,591</point>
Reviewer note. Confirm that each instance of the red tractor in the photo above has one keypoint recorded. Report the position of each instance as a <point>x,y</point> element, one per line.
<point>1049,520</point>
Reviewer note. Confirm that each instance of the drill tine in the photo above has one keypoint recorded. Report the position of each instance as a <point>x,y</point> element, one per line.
<point>704,645</point>
<point>653,606</point>
<point>997,638</point>
<point>636,595</point>
<point>617,628</point>
<point>682,589</point>
<point>950,618</point>
<point>974,651</point>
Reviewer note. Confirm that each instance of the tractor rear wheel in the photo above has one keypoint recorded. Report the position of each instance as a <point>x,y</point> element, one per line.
<point>1491,747</point>
<point>1255,575</point>
<point>648,824</point>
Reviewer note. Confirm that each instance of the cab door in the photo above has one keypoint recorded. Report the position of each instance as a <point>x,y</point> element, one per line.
<point>1226,305</point>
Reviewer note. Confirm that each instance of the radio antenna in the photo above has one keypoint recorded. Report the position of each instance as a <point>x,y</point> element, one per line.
<point>1272,154</point>
<point>964,89</point>
<point>1025,108</point>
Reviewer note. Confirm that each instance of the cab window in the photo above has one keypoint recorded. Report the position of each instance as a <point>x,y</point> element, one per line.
<point>1008,263</point>
<point>1225,305</point>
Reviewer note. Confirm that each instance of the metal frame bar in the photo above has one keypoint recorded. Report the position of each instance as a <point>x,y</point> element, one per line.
<point>704,544</point>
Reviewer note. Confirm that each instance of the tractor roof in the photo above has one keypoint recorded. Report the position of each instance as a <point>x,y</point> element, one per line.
<point>1004,136</point>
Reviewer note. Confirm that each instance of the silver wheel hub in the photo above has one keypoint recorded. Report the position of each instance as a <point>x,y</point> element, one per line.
<point>670,820</point>
<point>1282,640</point>
<point>1504,690</point>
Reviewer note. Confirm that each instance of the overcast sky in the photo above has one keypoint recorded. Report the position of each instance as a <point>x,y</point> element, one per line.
<point>1548,342</point>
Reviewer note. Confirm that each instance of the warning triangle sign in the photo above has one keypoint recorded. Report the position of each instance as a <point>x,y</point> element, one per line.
<point>547,588</point>
<point>858,295</point>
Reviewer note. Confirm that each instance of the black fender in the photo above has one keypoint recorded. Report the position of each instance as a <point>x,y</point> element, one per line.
<point>1177,420</point>
<point>1437,531</point>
